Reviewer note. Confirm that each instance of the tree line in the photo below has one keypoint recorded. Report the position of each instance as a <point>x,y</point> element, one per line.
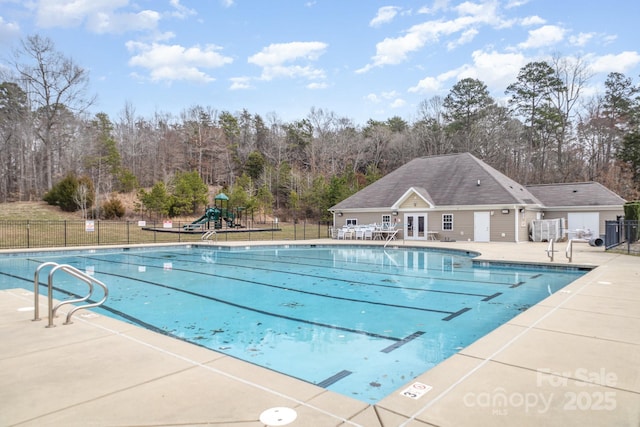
<point>546,131</point>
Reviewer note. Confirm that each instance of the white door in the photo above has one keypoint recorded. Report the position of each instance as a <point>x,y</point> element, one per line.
<point>415,226</point>
<point>481,226</point>
<point>583,224</point>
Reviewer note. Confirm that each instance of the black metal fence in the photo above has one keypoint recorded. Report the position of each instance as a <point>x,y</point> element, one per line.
<point>622,235</point>
<point>25,234</point>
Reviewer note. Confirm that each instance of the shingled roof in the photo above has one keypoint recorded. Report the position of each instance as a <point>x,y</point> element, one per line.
<point>448,180</point>
<point>575,194</point>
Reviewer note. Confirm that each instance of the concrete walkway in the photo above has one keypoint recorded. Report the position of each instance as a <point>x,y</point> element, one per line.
<point>571,360</point>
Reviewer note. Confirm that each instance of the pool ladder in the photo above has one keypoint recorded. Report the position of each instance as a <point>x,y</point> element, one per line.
<point>72,271</point>
<point>568,252</point>
<point>206,236</point>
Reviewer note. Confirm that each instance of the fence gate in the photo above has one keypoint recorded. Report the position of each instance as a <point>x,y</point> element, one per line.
<point>613,233</point>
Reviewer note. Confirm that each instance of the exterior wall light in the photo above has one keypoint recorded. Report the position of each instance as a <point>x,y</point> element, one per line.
<point>395,213</point>
<point>505,211</point>
<point>339,213</point>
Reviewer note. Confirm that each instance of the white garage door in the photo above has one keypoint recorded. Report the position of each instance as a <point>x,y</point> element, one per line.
<point>581,223</point>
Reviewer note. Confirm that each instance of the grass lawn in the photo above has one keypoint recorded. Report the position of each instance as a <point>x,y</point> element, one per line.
<point>38,225</point>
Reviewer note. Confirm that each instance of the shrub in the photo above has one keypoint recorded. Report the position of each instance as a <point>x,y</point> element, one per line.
<point>113,208</point>
<point>67,196</point>
<point>632,211</point>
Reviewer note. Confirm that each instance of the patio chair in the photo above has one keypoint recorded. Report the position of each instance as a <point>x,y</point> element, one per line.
<point>368,233</point>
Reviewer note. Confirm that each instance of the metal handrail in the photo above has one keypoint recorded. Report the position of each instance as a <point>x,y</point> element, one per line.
<point>550,250</point>
<point>36,289</point>
<point>569,250</point>
<point>89,280</point>
<point>390,238</point>
<point>208,234</point>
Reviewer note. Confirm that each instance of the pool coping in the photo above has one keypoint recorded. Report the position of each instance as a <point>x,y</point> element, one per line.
<point>596,311</point>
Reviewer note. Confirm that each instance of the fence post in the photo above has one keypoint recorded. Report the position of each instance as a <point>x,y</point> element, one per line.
<point>28,234</point>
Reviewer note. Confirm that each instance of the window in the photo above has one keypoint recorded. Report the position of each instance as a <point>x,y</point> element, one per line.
<point>447,221</point>
<point>386,220</point>
<point>352,222</point>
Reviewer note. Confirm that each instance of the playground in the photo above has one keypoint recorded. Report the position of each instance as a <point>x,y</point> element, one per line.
<point>216,215</point>
<point>219,218</point>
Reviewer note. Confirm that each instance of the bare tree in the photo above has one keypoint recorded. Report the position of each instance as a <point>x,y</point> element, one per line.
<point>574,74</point>
<point>53,83</point>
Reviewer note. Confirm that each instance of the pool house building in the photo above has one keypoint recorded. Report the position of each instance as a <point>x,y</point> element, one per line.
<point>460,197</point>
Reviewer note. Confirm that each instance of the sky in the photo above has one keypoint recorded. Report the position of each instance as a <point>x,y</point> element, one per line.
<point>357,59</point>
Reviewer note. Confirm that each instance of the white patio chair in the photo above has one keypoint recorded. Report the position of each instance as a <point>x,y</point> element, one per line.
<point>368,233</point>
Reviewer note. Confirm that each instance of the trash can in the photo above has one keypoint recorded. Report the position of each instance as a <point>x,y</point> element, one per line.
<point>596,241</point>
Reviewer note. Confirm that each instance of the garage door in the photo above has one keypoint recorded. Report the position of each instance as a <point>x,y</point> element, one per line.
<point>581,223</point>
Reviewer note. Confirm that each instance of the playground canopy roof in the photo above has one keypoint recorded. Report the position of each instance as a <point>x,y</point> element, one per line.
<point>221,196</point>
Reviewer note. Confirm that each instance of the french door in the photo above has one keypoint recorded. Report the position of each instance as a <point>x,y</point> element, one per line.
<point>415,226</point>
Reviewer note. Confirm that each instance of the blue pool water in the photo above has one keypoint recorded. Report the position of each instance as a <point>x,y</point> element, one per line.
<point>361,321</point>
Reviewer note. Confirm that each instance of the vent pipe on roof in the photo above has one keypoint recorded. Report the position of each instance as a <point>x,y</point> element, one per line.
<point>478,183</point>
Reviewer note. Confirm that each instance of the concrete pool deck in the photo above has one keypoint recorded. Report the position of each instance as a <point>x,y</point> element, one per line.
<point>571,360</point>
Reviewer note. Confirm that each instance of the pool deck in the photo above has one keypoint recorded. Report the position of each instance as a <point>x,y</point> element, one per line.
<point>571,360</point>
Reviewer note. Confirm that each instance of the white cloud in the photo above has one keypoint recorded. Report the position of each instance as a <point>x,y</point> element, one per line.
<point>181,11</point>
<point>398,103</point>
<point>437,6</point>
<point>385,14</point>
<point>227,3</point>
<point>392,51</point>
<point>8,30</point>
<point>291,72</point>
<point>99,16</point>
<point>581,39</point>
<point>515,3</point>
<point>240,83</point>
<point>621,62</point>
<point>175,62</point>
<point>427,85</point>
<point>389,95</point>
<point>532,20</point>
<point>104,23</point>
<point>273,58</point>
<point>372,97</point>
<point>546,35</point>
<point>317,85</point>
<point>495,69</point>
<point>466,37</point>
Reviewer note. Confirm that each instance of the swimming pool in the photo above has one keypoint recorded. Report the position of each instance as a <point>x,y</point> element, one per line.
<point>361,321</point>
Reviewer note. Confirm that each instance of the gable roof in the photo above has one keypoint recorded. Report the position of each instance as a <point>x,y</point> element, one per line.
<point>575,194</point>
<point>419,191</point>
<point>448,180</point>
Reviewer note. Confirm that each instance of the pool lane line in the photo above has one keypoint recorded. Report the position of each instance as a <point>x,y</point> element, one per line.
<point>256,310</point>
<point>186,255</point>
<point>334,378</point>
<point>341,268</point>
<point>490,297</point>
<point>316,276</point>
<point>226,255</point>
<point>289,289</point>
<point>164,332</point>
<point>402,342</point>
<point>408,307</point>
<point>456,314</point>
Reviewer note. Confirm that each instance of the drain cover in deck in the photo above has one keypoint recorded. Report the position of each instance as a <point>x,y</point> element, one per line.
<point>278,416</point>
